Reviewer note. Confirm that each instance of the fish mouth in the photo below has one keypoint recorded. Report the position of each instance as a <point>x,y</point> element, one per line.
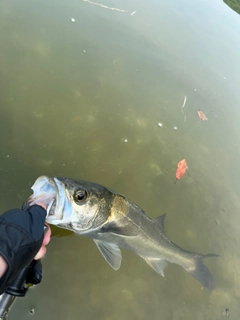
<point>59,209</point>
<point>51,192</point>
<point>51,207</point>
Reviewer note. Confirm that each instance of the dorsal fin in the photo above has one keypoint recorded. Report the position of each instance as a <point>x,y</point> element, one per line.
<point>159,222</point>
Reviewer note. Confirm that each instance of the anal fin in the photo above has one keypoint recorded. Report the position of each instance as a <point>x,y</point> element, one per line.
<point>111,253</point>
<point>157,265</point>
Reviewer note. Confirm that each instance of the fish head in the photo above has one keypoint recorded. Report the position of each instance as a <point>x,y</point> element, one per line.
<point>76,205</point>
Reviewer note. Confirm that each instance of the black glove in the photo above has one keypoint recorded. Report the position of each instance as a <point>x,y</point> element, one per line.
<point>21,236</point>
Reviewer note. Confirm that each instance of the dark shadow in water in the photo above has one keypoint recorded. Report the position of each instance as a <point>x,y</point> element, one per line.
<point>57,232</point>
<point>233,4</point>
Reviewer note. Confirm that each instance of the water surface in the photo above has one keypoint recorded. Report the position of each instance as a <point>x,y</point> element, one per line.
<point>72,92</point>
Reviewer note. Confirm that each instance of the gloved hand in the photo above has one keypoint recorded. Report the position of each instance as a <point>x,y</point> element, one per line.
<point>21,240</point>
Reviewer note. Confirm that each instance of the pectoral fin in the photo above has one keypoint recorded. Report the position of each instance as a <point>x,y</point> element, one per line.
<point>111,253</point>
<point>157,265</point>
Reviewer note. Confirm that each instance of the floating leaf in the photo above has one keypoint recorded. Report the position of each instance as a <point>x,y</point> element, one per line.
<point>181,169</point>
<point>201,115</point>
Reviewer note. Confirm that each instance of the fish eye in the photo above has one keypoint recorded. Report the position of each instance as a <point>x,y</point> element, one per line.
<point>80,195</point>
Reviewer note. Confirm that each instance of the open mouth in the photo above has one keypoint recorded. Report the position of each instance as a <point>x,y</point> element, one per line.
<point>46,191</point>
<point>59,209</point>
<point>51,208</point>
<point>51,192</point>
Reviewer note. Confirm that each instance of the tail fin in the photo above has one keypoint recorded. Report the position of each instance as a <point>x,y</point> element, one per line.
<point>200,272</point>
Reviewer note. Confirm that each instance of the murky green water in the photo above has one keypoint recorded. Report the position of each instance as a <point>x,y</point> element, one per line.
<point>72,92</point>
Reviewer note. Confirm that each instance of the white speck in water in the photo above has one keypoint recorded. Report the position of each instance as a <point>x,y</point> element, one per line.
<point>73,20</point>
<point>84,51</point>
<point>125,140</point>
<point>175,128</point>
<point>160,124</point>
<point>195,90</point>
<point>8,156</point>
<point>224,78</point>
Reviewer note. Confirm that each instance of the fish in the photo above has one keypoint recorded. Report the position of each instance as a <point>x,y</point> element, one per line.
<point>114,222</point>
<point>202,115</point>
<point>181,169</point>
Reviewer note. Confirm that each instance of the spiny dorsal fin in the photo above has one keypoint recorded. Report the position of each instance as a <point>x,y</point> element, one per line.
<point>159,222</point>
<point>111,253</point>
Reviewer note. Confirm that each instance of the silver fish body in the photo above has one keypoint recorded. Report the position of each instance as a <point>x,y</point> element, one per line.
<point>114,222</point>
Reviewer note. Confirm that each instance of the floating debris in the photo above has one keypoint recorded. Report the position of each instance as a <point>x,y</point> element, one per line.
<point>226,312</point>
<point>183,105</point>
<point>160,124</point>
<point>105,7</point>
<point>181,169</point>
<point>214,114</point>
<point>133,13</point>
<point>184,102</point>
<point>31,311</point>
<point>84,51</point>
<point>175,128</point>
<point>73,20</point>
<point>202,115</point>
